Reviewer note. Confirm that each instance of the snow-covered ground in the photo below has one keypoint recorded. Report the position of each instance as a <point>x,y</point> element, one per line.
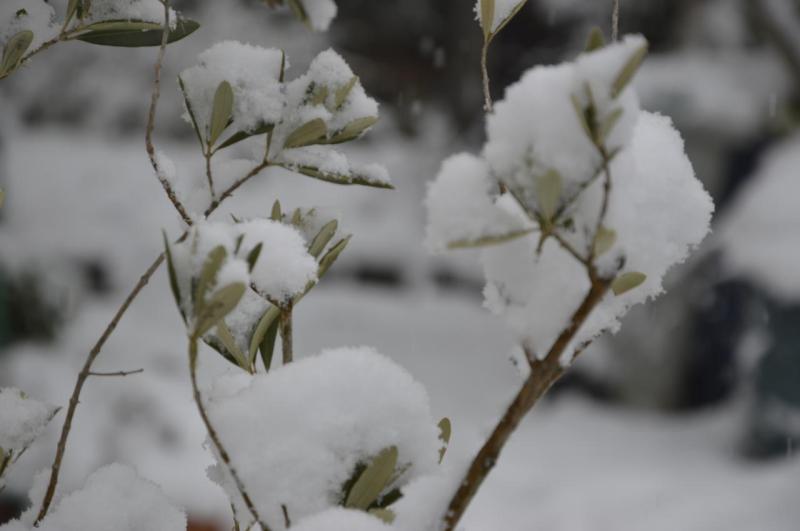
<point>574,465</point>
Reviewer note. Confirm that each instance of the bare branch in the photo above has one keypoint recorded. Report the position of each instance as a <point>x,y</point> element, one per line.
<point>118,373</point>
<point>615,22</point>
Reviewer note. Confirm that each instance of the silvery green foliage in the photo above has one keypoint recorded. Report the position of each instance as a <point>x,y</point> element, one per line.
<point>238,91</point>
<point>536,198</point>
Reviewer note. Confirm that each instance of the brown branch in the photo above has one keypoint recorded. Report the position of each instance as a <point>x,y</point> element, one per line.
<point>543,374</point>
<point>118,373</point>
<point>209,174</point>
<point>214,436</point>
<point>286,332</point>
<point>151,123</point>
<point>615,21</point>
<point>487,93</point>
<point>82,377</point>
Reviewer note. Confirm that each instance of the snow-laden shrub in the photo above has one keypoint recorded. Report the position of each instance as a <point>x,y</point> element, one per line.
<point>114,497</point>
<point>298,434</point>
<point>573,174</point>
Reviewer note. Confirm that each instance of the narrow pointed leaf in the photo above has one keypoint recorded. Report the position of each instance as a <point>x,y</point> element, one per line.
<point>330,257</point>
<point>72,9</point>
<point>580,112</point>
<point>190,111</point>
<point>627,282</point>
<point>173,277</point>
<point>222,302</point>
<point>338,178</point>
<point>548,193</point>
<point>627,72</point>
<point>596,39</point>
<point>276,214</point>
<point>14,51</point>
<point>607,125</point>
<point>319,95</point>
<point>244,135</point>
<point>487,17</point>
<point>208,276</point>
<point>353,130</point>
<point>252,256</point>
<point>387,515</point>
<point>135,34</point>
<point>488,240</point>
<point>221,112</point>
<point>373,480</point>
<point>269,318</point>
<point>307,134</point>
<point>267,346</point>
<point>343,92</point>
<point>227,339</point>
<point>322,238</point>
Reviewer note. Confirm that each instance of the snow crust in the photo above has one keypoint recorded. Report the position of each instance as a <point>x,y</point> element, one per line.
<point>22,419</point>
<point>657,209</point>
<point>144,10</point>
<point>340,519</point>
<point>34,15</point>
<point>114,497</point>
<point>296,434</point>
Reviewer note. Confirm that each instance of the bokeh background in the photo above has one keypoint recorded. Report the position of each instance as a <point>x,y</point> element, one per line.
<point>687,419</point>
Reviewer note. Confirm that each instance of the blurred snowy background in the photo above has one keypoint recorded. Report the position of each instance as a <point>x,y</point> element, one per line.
<point>688,419</point>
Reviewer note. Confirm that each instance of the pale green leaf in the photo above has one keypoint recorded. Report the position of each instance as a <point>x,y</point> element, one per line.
<point>352,130</point>
<point>307,134</point>
<point>221,112</point>
<point>372,480</point>
<point>387,515</point>
<point>492,239</point>
<point>14,51</point>
<point>322,238</point>
<point>596,39</point>
<point>221,304</point>
<point>627,282</point>
<point>487,17</point>
<point>445,430</point>
<point>629,70</point>
<point>208,276</point>
<point>548,193</point>
<point>276,214</point>
<point>229,342</point>
<point>330,257</point>
<point>604,240</point>
<point>135,34</point>
<point>343,92</point>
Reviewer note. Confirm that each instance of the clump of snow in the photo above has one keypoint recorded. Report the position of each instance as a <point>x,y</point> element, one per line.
<point>461,207</point>
<point>339,519</point>
<point>22,419</point>
<point>138,10</point>
<point>254,75</point>
<point>320,13</point>
<point>114,497</point>
<point>758,234</point>
<point>296,434</point>
<point>657,209</point>
<point>34,15</point>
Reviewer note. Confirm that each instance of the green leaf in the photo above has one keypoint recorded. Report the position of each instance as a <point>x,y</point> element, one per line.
<point>221,112</point>
<point>276,214</point>
<point>307,134</point>
<point>227,339</point>
<point>267,346</point>
<point>627,281</point>
<point>244,135</point>
<point>373,480</point>
<point>261,330</point>
<point>208,276</point>
<point>322,238</point>
<point>548,193</point>
<point>596,39</point>
<point>319,95</point>
<point>445,430</point>
<point>135,34</point>
<point>173,277</point>
<point>299,11</point>
<point>343,92</point>
<point>14,51</point>
<point>387,515</point>
<point>604,240</point>
<point>582,115</point>
<point>627,72</point>
<point>338,178</point>
<point>607,125</point>
<point>222,302</point>
<point>352,130</point>
<point>330,257</point>
<point>72,8</point>
<point>252,256</point>
<point>485,241</point>
<point>487,17</point>
<point>190,110</point>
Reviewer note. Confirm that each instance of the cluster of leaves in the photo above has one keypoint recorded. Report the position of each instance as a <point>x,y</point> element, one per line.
<point>373,486</point>
<point>79,25</point>
<point>325,246</point>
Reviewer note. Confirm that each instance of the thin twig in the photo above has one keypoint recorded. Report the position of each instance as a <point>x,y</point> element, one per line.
<point>151,123</point>
<point>82,377</point>
<point>286,332</point>
<point>118,373</point>
<point>287,522</point>
<point>543,374</point>
<point>209,174</point>
<point>615,22</point>
<point>214,436</point>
